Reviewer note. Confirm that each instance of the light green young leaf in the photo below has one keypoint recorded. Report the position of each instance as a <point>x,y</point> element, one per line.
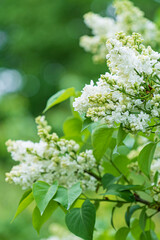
<point>66,197</point>
<point>81,221</point>
<point>59,97</point>
<point>25,201</point>
<point>38,220</point>
<point>122,233</point>
<point>101,139</point>
<point>73,193</point>
<point>62,197</point>
<point>121,135</point>
<point>145,158</point>
<point>72,127</point>
<point>43,193</point>
<point>135,228</point>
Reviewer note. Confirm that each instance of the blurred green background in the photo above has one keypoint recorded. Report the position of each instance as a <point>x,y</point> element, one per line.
<point>40,54</point>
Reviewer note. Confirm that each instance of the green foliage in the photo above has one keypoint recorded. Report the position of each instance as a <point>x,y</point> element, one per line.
<point>66,197</point>
<point>122,233</point>
<point>81,221</point>
<point>129,213</point>
<point>105,141</point>
<point>25,201</point>
<point>38,220</point>
<point>86,123</point>
<point>120,191</point>
<point>101,139</point>
<point>109,179</point>
<point>121,135</point>
<point>145,158</point>
<point>43,193</point>
<point>59,97</point>
<point>148,235</point>
<point>143,219</point>
<point>72,128</point>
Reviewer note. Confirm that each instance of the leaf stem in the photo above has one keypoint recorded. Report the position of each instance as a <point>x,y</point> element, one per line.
<point>105,200</point>
<point>93,175</point>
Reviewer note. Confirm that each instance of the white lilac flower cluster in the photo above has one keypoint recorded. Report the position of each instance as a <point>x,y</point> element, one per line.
<point>52,158</point>
<point>129,19</point>
<point>130,93</point>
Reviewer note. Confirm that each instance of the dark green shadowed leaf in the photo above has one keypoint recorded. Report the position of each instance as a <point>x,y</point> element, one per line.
<point>81,221</point>
<point>59,97</point>
<point>109,179</point>
<point>115,189</point>
<point>112,215</point>
<point>25,201</point>
<point>38,220</point>
<point>129,213</point>
<point>101,139</point>
<point>148,235</point>
<point>43,193</point>
<point>145,158</point>
<point>86,123</point>
<point>143,219</point>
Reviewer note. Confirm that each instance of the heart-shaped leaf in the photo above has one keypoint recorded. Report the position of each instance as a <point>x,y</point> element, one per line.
<point>81,221</point>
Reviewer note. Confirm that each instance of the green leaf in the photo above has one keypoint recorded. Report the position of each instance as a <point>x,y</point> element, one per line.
<point>62,197</point>
<point>156,177</point>
<point>112,214</point>
<point>126,195</point>
<point>145,158</point>
<point>59,97</point>
<point>129,213</point>
<point>86,123</point>
<point>66,197</point>
<point>43,193</point>
<point>81,221</point>
<point>72,127</point>
<point>121,163</point>
<point>119,190</point>
<point>101,139</point>
<point>142,219</point>
<point>148,235</point>
<point>25,201</point>
<point>38,220</point>
<point>109,179</point>
<point>122,233</point>
<point>121,135</point>
<point>135,228</point>
<point>73,193</point>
